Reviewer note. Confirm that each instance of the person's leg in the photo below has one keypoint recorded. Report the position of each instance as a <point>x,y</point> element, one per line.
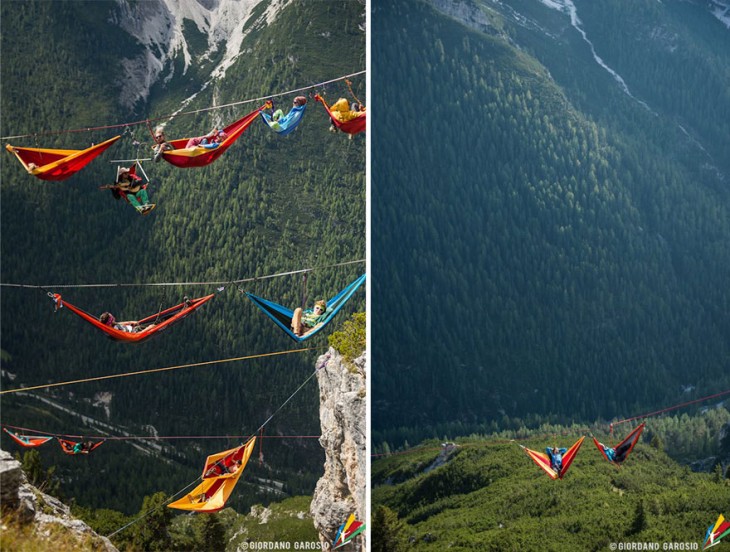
<point>296,321</point>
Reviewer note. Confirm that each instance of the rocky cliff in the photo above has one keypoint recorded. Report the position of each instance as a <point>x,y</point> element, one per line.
<point>49,520</point>
<point>343,418</point>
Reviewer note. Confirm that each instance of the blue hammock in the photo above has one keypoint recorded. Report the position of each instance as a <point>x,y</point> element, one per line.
<point>282,315</point>
<point>286,124</point>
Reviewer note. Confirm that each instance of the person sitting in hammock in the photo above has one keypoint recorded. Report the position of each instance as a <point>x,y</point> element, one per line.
<point>161,144</point>
<point>618,454</point>
<point>343,112</point>
<point>209,141</point>
<point>556,458</point>
<point>129,186</point>
<point>278,118</point>
<point>130,326</point>
<point>304,321</point>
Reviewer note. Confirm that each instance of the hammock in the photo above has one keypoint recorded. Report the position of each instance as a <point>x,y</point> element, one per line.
<point>543,460</point>
<point>27,440</point>
<point>286,124</point>
<point>56,164</point>
<point>81,447</point>
<point>282,316</point>
<point>624,448</point>
<point>150,326</point>
<point>199,156</point>
<point>353,126</point>
<point>211,495</point>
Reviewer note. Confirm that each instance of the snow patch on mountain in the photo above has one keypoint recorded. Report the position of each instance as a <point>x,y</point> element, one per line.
<point>158,26</point>
<point>567,7</point>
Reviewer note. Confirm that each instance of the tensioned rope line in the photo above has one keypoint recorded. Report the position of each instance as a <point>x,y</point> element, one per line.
<point>670,408</point>
<point>154,437</point>
<point>172,115</point>
<point>123,527</point>
<point>199,478</point>
<point>153,370</point>
<point>163,284</point>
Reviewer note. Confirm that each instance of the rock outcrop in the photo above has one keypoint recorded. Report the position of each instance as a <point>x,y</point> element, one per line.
<point>343,418</point>
<point>49,516</point>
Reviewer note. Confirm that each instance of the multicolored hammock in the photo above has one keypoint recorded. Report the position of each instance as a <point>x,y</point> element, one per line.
<point>624,448</point>
<point>282,316</point>
<point>286,124</point>
<point>27,441</point>
<point>220,475</point>
<point>199,156</point>
<point>57,164</point>
<point>150,325</point>
<point>80,447</point>
<point>353,126</point>
<point>543,460</point>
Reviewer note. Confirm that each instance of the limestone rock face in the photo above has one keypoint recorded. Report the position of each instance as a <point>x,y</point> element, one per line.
<point>343,418</point>
<point>31,506</point>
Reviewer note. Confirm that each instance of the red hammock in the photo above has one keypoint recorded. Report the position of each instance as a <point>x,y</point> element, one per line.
<point>27,441</point>
<point>185,158</point>
<point>151,325</point>
<point>70,447</point>
<point>624,448</point>
<point>543,460</point>
<point>56,164</point>
<point>353,126</point>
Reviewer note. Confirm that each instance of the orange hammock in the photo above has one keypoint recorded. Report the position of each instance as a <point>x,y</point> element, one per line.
<point>543,460</point>
<point>81,447</point>
<point>351,126</point>
<point>148,326</point>
<point>199,156</point>
<point>220,475</point>
<point>57,164</point>
<point>27,440</point>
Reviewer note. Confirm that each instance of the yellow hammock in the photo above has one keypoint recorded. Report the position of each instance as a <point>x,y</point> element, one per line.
<point>220,475</point>
<point>57,164</point>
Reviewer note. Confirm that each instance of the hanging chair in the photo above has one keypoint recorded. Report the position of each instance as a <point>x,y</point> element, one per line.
<point>149,326</point>
<point>543,460</point>
<point>286,124</point>
<point>200,156</point>
<point>27,441</point>
<point>78,447</point>
<point>623,449</point>
<point>351,126</point>
<point>56,164</point>
<point>220,475</point>
<point>282,316</point>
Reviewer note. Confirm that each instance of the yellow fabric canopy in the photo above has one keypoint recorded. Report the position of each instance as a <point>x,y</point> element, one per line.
<point>220,475</point>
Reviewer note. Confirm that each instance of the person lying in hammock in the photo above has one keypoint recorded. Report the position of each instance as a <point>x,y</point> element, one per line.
<point>278,118</point>
<point>304,321</point>
<point>129,186</point>
<point>211,140</point>
<point>130,326</point>
<point>556,458</point>
<point>618,454</point>
<point>343,112</point>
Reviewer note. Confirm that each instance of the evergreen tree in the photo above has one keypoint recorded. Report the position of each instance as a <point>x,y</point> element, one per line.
<point>387,531</point>
<point>152,532</point>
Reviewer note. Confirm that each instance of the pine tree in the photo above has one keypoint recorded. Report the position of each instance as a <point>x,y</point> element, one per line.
<point>151,533</point>
<point>387,532</point>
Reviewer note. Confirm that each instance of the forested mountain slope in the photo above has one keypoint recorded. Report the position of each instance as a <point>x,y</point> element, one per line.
<point>558,208</point>
<point>268,205</point>
<point>487,494</point>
